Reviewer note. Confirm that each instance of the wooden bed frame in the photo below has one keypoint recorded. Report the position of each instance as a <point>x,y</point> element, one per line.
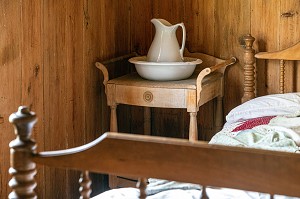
<point>138,155</point>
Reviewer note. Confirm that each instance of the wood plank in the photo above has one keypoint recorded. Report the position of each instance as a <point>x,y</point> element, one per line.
<point>199,21</point>
<point>75,89</point>
<point>265,17</point>
<point>32,74</point>
<point>10,80</point>
<point>55,91</point>
<point>229,29</point>
<point>142,30</point>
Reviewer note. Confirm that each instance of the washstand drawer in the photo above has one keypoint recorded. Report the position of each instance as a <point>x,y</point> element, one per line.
<point>151,97</point>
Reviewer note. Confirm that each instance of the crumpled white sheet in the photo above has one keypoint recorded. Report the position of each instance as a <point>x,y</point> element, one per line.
<point>282,134</point>
<point>213,193</point>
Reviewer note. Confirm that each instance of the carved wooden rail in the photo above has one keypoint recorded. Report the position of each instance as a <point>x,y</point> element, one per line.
<point>139,156</point>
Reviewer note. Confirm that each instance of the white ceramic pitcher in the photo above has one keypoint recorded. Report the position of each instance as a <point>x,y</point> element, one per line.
<point>165,47</point>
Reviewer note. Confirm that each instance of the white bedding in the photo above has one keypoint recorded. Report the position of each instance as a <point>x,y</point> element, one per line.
<point>213,193</point>
<point>279,132</point>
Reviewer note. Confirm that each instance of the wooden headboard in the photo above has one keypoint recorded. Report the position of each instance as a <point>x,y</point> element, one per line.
<point>290,54</point>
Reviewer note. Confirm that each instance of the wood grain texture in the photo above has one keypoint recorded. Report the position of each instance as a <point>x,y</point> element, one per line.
<point>199,19</point>
<point>33,73</point>
<point>266,17</point>
<point>10,80</point>
<point>56,89</point>
<point>48,50</point>
<point>229,29</point>
<point>125,154</point>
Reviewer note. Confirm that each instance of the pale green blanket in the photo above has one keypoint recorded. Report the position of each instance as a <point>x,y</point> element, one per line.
<point>281,134</point>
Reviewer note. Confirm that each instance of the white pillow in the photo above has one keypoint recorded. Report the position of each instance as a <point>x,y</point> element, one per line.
<point>269,105</point>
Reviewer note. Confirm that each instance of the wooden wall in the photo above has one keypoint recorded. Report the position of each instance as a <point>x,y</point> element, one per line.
<point>48,49</point>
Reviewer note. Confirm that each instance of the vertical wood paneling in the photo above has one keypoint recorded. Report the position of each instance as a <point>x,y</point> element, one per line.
<point>199,19</point>
<point>232,22</point>
<point>170,10</point>
<point>32,73</point>
<point>142,30</point>
<point>265,18</point>
<point>10,80</point>
<point>48,49</point>
<point>57,86</point>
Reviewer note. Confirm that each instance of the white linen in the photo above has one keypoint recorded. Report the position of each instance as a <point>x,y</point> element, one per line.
<point>282,133</point>
<point>213,193</point>
<point>269,105</point>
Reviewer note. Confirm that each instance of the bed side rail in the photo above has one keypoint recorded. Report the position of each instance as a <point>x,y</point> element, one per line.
<point>165,158</point>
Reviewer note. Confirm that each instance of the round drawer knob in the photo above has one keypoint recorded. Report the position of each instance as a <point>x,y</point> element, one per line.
<point>148,96</point>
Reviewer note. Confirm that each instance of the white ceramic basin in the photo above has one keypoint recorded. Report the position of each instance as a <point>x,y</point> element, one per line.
<point>165,71</point>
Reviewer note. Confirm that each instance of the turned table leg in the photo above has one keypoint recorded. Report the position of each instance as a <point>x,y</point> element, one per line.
<point>219,114</point>
<point>113,180</point>
<point>193,131</point>
<point>113,118</point>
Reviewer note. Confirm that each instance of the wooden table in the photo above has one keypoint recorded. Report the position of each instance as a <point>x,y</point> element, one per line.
<point>190,94</point>
<point>205,84</point>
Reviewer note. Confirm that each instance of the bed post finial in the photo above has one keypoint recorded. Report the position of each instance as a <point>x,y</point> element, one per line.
<point>249,60</point>
<point>22,168</point>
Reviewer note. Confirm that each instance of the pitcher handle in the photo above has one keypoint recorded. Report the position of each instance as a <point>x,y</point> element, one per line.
<point>183,39</point>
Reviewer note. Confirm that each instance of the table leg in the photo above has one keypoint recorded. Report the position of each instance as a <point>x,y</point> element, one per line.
<point>147,120</point>
<point>193,131</point>
<point>219,114</point>
<point>113,118</point>
<point>113,179</point>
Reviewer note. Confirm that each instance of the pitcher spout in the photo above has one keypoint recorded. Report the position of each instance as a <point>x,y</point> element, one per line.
<point>160,22</point>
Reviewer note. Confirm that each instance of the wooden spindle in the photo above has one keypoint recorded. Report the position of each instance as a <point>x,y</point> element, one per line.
<point>282,76</point>
<point>142,185</point>
<point>85,185</point>
<point>113,118</point>
<point>193,129</point>
<point>204,193</point>
<point>22,168</point>
<point>249,70</point>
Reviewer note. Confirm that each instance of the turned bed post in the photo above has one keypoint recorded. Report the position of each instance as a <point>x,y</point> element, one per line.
<point>85,185</point>
<point>249,70</point>
<point>22,168</point>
